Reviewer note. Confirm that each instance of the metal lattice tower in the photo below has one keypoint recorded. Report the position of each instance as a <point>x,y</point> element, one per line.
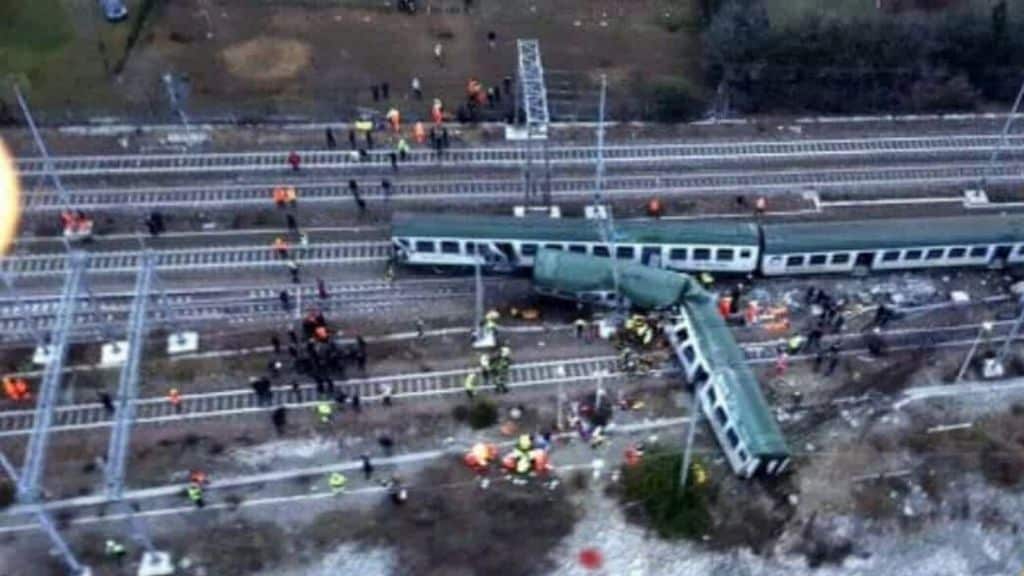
<point>127,393</point>
<point>606,221</point>
<point>532,100</point>
<point>1002,137</point>
<point>35,453</point>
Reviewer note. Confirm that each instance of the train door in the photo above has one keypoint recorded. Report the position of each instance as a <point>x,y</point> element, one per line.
<point>1001,255</point>
<point>651,256</point>
<point>863,262</point>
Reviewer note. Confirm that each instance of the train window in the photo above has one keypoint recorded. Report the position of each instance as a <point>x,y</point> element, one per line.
<point>912,255</point>
<point>979,251</point>
<point>449,247</point>
<point>677,254</point>
<point>744,254</point>
<point>795,261</point>
<point>725,254</point>
<point>957,252</point>
<point>891,256</point>
<point>624,252</point>
<point>840,258</point>
<point>424,246</point>
<point>471,248</point>
<point>578,248</point>
<point>934,254</point>
<point>689,354</point>
<point>720,416</point>
<point>702,254</point>
<point>601,251</point>
<point>528,249</point>
<point>1020,249</point>
<point>700,376</point>
<point>711,394</point>
<point>818,259</point>
<point>552,246</point>
<point>734,440</point>
<point>742,454</point>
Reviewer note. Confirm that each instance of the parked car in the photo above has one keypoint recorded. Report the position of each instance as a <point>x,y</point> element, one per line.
<point>114,10</point>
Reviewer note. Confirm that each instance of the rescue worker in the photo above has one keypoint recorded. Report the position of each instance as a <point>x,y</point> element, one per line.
<point>385,394</point>
<point>781,364</point>
<point>16,388</point>
<point>293,269</point>
<point>439,54</point>
<point>385,90</point>
<point>794,344</point>
<point>581,325</point>
<point>367,466</point>
<point>174,397</point>
<point>324,411</point>
<point>291,196</point>
<point>417,90</point>
<point>394,118</point>
<point>469,384</point>
<point>275,343</point>
<point>114,549</point>
<point>491,320</point>
<point>707,280</point>
<point>285,299</point>
<point>375,92</point>
<point>389,273</point>
<point>294,160</point>
<point>107,402</point>
<point>420,328</point>
<point>195,494</point>
<point>403,149</point>
<point>321,333</point>
<point>280,248</point>
<point>396,491</point>
<point>501,373</point>
<point>523,464</point>
<point>760,206</point>
<point>485,367</point>
<point>393,156</point>
<point>419,133</point>
<point>337,482</point>
<point>437,112</point>
<point>279,417</point>
<point>331,142</point>
<point>352,139</point>
<point>292,224</point>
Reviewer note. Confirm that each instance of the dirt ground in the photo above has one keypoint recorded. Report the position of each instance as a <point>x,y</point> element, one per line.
<point>266,59</point>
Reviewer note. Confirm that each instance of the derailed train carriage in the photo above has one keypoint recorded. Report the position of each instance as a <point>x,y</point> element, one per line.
<point>712,362</point>
<point>507,243</point>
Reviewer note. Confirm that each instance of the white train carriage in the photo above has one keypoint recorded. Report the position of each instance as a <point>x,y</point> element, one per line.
<point>892,244</point>
<point>509,243</point>
<point>729,394</point>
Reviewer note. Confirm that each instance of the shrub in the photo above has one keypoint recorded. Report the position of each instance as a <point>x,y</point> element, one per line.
<point>482,414</point>
<point>654,484</point>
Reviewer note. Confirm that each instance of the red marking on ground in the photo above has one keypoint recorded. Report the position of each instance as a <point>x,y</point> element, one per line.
<point>591,558</point>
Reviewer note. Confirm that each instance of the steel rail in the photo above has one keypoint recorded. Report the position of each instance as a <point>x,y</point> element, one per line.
<point>226,403</point>
<point>254,195</point>
<point>313,160</point>
<point>203,259</point>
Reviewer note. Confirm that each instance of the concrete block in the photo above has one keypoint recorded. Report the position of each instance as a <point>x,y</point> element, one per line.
<point>42,355</point>
<point>182,342</point>
<point>156,563</point>
<point>114,353</point>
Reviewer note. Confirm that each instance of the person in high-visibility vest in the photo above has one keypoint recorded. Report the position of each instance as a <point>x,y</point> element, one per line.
<point>324,411</point>
<point>419,133</point>
<point>291,196</point>
<point>114,549</point>
<point>523,464</point>
<point>470,384</point>
<point>524,443</point>
<point>337,482</point>
<point>195,494</point>
<point>403,148</point>
<point>279,196</point>
<point>794,344</point>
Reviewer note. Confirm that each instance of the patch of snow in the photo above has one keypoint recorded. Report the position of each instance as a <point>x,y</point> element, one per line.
<point>274,452</point>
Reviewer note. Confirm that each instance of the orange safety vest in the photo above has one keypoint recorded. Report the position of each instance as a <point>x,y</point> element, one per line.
<point>67,220</point>
<point>320,333</point>
<point>9,389</point>
<point>280,245</point>
<point>724,305</point>
<point>21,389</point>
<point>395,119</point>
<point>174,396</point>
<point>279,196</point>
<point>419,133</point>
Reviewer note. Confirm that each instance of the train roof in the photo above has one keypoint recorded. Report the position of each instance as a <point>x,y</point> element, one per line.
<point>806,237</point>
<point>755,423</point>
<point>573,229</point>
<point>648,287</point>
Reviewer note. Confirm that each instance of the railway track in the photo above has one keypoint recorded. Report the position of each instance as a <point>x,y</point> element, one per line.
<point>235,196</point>
<point>88,416</point>
<point>638,154</point>
<point>202,259</point>
<point>240,402</point>
<point>92,323</point>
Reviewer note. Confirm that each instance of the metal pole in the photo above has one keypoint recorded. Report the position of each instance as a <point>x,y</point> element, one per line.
<point>74,566</point>
<point>479,318</point>
<point>1003,137</point>
<point>1004,351</point>
<point>606,225</point>
<point>970,355</point>
<point>48,167</point>
<point>690,434</point>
